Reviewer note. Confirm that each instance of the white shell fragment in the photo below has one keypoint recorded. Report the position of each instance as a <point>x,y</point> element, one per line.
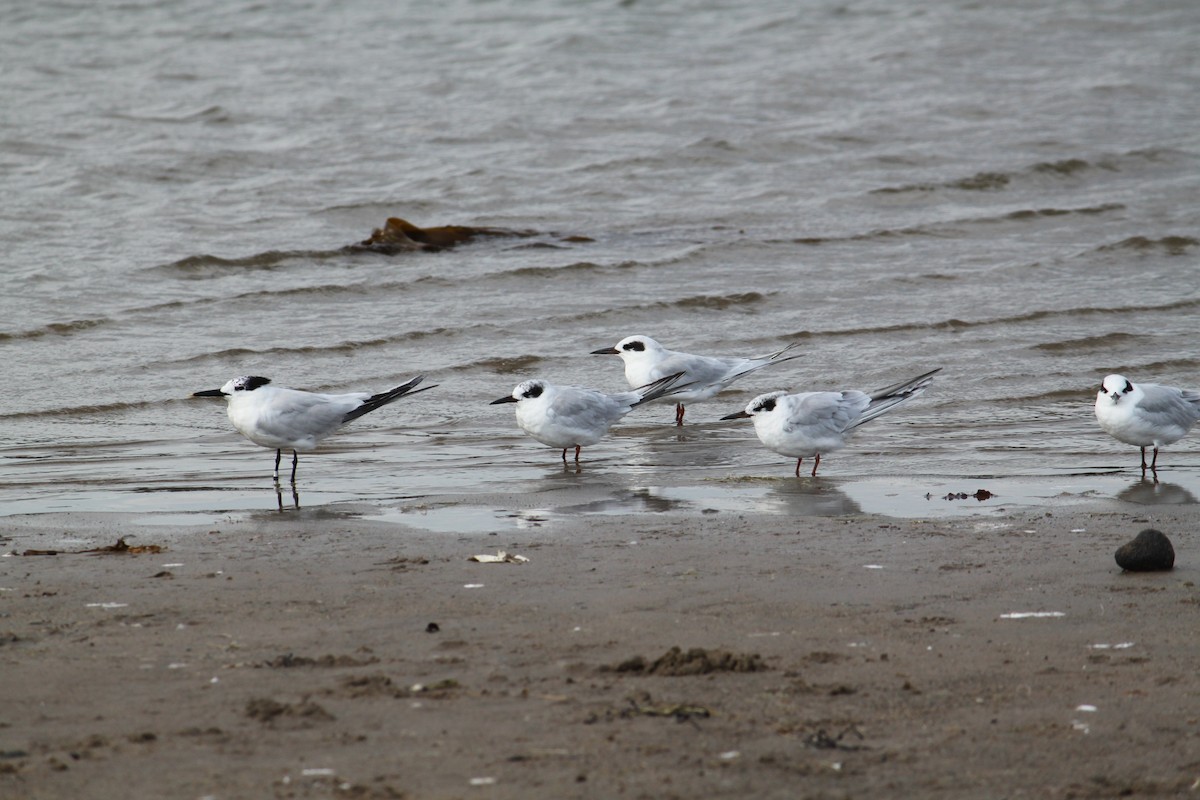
<point>501,557</point>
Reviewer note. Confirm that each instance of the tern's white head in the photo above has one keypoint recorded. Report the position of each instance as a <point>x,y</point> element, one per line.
<point>763,404</point>
<point>525,390</point>
<point>1117,387</point>
<point>634,347</point>
<point>232,388</point>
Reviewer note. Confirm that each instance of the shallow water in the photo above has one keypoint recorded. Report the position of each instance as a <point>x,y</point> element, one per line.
<point>1008,192</point>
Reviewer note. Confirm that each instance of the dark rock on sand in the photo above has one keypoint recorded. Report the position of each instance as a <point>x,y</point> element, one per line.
<point>1149,550</point>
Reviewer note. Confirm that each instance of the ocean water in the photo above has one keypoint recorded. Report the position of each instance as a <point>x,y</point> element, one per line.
<point>1007,191</point>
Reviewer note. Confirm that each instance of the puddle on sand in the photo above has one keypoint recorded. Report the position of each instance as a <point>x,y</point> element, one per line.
<point>802,498</point>
<point>903,498</point>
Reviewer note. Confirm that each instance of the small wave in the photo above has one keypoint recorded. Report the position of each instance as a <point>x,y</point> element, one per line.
<point>955,325</point>
<point>545,272</point>
<point>882,233</point>
<point>396,236</point>
<point>560,244</point>
<point>206,266</point>
<point>990,181</point>
<point>1081,395</point>
<point>1169,365</point>
<point>211,114</point>
<point>1068,166</point>
<point>234,353</point>
<point>1062,212</point>
<point>949,227</point>
<point>928,277</point>
<point>56,329</point>
<point>715,301</point>
<point>1171,245</point>
<point>1088,343</point>
<point>979,182</point>
<point>502,366</point>
<point>567,269</point>
<point>323,290</point>
<point>89,410</point>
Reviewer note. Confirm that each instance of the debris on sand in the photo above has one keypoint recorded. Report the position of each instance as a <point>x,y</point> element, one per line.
<point>696,661</point>
<point>288,661</point>
<point>821,740</point>
<point>119,548</point>
<point>642,705</point>
<point>979,494</point>
<point>501,557</point>
<point>359,686</point>
<point>270,711</point>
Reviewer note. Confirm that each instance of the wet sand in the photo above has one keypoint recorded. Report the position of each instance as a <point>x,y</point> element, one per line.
<point>314,654</point>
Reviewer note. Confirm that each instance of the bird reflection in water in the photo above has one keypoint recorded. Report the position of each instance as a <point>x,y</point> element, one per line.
<point>1148,492</point>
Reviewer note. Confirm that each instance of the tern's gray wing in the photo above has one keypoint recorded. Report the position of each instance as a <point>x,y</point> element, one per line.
<point>586,410</point>
<point>820,414</point>
<point>718,370</point>
<point>701,371</point>
<point>1166,405</point>
<point>295,415</point>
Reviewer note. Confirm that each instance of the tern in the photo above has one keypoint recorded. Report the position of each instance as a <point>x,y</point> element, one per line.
<point>646,360</point>
<point>289,419</point>
<point>572,416</point>
<point>1146,414</point>
<point>812,423</point>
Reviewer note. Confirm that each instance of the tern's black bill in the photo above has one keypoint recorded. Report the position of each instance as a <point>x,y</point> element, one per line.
<point>608,351</point>
<point>209,393</point>
<point>738,415</point>
<point>508,399</point>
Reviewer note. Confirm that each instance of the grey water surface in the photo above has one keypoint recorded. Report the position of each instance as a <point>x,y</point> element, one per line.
<point>1010,191</point>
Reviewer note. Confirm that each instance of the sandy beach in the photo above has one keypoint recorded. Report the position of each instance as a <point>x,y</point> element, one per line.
<point>320,654</point>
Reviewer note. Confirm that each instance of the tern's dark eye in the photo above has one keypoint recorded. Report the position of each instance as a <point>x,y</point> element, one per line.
<point>635,346</point>
<point>766,405</point>
<point>1103,390</point>
<point>533,391</point>
<point>1128,388</point>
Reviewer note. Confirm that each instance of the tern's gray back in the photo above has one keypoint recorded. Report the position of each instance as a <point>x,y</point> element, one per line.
<point>1168,405</point>
<point>299,413</point>
<point>820,414</point>
<point>700,370</point>
<point>588,408</point>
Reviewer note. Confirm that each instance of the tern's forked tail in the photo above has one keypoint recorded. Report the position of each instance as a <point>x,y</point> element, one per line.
<point>884,400</point>
<point>383,398</point>
<point>659,388</point>
<point>780,355</point>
